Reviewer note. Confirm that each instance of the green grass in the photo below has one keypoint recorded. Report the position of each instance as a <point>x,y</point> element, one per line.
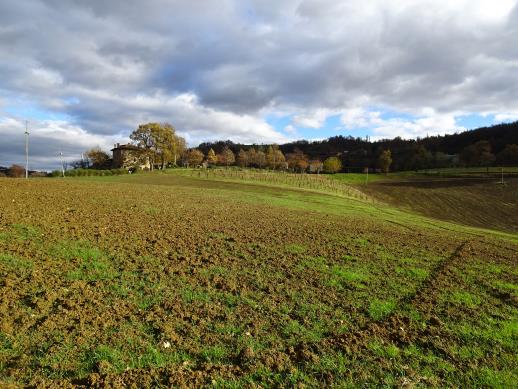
<point>295,249</point>
<point>20,232</point>
<point>89,262</point>
<point>195,295</point>
<point>359,178</point>
<point>379,309</point>
<point>343,277</point>
<point>215,354</point>
<point>506,286</point>
<point>463,298</point>
<point>469,170</point>
<point>390,351</point>
<point>13,262</point>
<point>413,272</point>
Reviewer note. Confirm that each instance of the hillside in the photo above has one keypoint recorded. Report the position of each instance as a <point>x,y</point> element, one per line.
<point>480,202</point>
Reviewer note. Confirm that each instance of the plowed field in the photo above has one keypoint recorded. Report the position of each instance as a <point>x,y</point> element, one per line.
<point>166,280</point>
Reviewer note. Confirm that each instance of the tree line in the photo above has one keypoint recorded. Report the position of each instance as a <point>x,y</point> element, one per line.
<point>162,147</point>
<point>488,146</point>
<point>261,157</point>
<point>158,146</point>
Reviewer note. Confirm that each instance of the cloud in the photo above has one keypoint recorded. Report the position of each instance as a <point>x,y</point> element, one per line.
<point>217,69</point>
<point>47,139</point>
<point>291,130</point>
<point>431,123</point>
<point>315,119</point>
<point>506,117</point>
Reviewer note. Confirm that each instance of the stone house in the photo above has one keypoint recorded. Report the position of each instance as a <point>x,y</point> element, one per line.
<point>129,156</point>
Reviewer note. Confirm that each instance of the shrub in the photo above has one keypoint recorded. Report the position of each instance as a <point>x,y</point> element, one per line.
<point>89,172</point>
<point>16,171</point>
<point>332,165</point>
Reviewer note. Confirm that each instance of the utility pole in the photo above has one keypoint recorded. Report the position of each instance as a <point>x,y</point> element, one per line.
<point>62,163</point>
<point>26,150</point>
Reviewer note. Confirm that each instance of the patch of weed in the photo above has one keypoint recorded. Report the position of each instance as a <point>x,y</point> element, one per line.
<point>103,357</point>
<point>379,309</point>
<point>385,351</point>
<point>492,378</point>
<point>413,272</point>
<point>25,231</point>
<point>295,249</point>
<point>195,295</point>
<point>93,264</point>
<point>214,354</point>
<point>315,263</point>
<point>15,263</point>
<point>506,286</point>
<point>464,298</point>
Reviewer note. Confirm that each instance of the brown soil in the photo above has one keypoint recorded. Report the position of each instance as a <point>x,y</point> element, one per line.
<point>140,285</point>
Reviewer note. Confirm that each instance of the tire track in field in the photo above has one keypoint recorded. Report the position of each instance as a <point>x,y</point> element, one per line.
<point>395,327</point>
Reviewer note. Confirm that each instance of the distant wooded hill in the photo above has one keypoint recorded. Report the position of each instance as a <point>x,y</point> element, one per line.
<point>486,146</point>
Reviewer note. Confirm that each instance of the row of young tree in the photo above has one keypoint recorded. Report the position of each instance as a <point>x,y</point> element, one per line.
<point>270,157</point>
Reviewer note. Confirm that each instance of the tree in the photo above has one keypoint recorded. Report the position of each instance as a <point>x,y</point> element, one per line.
<point>252,157</point>
<point>212,158</point>
<point>280,160</point>
<point>145,137</point>
<point>16,171</point>
<point>242,158</point>
<point>98,159</point>
<point>271,158</point>
<point>171,144</point>
<point>478,154</point>
<point>420,158</point>
<point>442,160</point>
<point>385,160</point>
<point>194,157</point>
<point>159,142</point>
<point>274,157</point>
<point>260,159</point>
<point>332,165</point>
<point>297,161</point>
<point>316,166</point>
<point>508,156</point>
<point>226,157</point>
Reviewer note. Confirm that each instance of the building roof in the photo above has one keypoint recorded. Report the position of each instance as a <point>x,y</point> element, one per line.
<point>125,147</point>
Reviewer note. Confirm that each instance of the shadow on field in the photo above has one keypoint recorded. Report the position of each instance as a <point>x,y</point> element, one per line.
<point>480,202</point>
<point>440,182</point>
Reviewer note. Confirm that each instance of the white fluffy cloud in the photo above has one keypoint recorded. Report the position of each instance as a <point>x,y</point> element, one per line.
<point>430,123</point>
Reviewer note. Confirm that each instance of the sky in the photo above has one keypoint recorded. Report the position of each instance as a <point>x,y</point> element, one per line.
<point>86,73</point>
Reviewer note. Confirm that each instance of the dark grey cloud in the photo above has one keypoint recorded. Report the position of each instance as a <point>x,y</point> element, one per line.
<point>216,68</point>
